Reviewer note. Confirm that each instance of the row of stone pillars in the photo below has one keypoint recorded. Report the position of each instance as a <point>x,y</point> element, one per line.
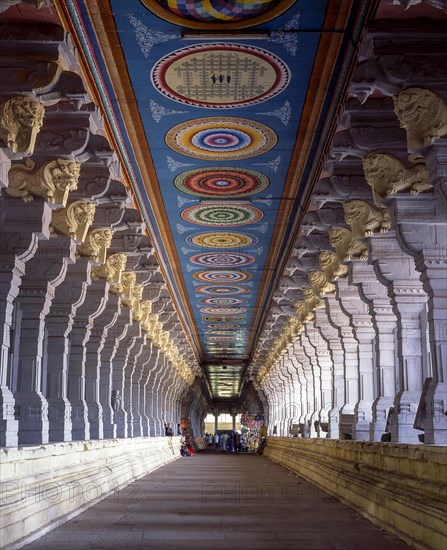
<point>356,342</point>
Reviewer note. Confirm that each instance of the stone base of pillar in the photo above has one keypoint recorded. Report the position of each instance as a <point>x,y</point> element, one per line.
<point>137,426</point>
<point>32,412</point>
<point>347,419</point>
<point>95,419</point>
<point>334,426</point>
<point>436,419</point>
<point>363,419</point>
<point>9,426</point>
<point>145,426</point>
<point>79,419</point>
<point>380,409</point>
<point>402,419</point>
<point>121,423</point>
<point>59,417</point>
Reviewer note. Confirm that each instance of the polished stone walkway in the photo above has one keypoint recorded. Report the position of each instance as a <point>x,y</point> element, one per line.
<point>214,501</point>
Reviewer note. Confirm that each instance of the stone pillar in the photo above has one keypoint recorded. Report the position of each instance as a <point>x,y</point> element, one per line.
<point>385,325</point>
<point>422,232</point>
<point>46,271</point>
<point>341,322</point>
<point>69,296</point>
<point>335,348</point>
<point>397,272</point>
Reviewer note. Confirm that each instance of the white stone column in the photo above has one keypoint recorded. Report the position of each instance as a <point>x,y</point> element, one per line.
<point>422,232</point>
<point>396,270</point>
<point>385,325</point>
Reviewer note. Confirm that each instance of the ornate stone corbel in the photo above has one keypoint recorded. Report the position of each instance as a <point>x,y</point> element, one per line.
<point>312,301</point>
<point>332,268</point>
<point>112,270</point>
<point>96,244</point>
<point>21,118</point>
<point>74,220</point>
<point>346,244</point>
<point>304,313</point>
<point>388,176</point>
<point>320,283</point>
<point>423,114</point>
<point>366,220</point>
<point>146,310</point>
<point>128,280</point>
<point>135,303</point>
<point>53,181</point>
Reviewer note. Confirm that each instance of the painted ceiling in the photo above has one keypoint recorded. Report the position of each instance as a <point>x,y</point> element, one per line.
<point>220,109</point>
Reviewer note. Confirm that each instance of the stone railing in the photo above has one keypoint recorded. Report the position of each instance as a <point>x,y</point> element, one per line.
<point>400,488</point>
<point>44,486</point>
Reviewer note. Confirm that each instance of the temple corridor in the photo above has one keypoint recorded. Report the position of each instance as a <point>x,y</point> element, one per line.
<point>223,223</point>
<point>216,500</point>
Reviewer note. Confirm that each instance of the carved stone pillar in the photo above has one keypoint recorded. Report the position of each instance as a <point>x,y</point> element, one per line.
<point>156,367</point>
<point>396,270</point>
<point>46,271</point>
<point>19,238</point>
<point>121,381</point>
<point>313,373</point>
<point>110,395</point>
<point>364,333</point>
<point>385,325</point>
<point>422,232</point>
<point>341,322</point>
<point>335,348</point>
<point>92,307</point>
<point>69,296</point>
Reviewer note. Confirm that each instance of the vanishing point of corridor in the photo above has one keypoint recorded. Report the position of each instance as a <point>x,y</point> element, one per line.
<point>219,501</point>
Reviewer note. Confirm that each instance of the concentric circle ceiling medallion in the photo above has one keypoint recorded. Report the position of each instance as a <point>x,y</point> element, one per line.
<point>222,276</point>
<point>219,290</point>
<point>217,182</point>
<point>222,240</point>
<point>223,326</point>
<point>223,310</point>
<point>222,319</point>
<point>216,138</point>
<point>231,14</point>
<point>222,301</point>
<point>219,76</point>
<point>222,215</point>
<point>222,259</point>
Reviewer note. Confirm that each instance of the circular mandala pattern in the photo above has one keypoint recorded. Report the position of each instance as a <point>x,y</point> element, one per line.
<point>222,301</point>
<point>222,259</point>
<point>221,319</point>
<point>219,290</point>
<point>214,138</point>
<point>221,182</point>
<point>233,14</point>
<point>222,215</point>
<point>220,338</point>
<point>220,75</point>
<point>223,310</point>
<point>222,276</point>
<point>222,240</point>
<point>226,326</point>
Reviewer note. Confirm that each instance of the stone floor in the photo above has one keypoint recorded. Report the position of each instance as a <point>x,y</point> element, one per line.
<point>214,501</point>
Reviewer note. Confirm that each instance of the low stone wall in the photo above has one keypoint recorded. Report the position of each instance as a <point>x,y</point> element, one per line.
<point>400,488</point>
<point>44,486</point>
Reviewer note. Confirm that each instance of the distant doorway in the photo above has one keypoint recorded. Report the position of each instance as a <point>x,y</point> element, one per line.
<point>225,423</point>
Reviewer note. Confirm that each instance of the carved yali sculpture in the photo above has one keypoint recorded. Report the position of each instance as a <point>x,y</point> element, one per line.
<point>388,176</point>
<point>332,268</point>
<point>366,220</point>
<point>53,181</point>
<point>74,220</point>
<point>96,244</point>
<point>21,118</point>
<point>320,284</point>
<point>346,244</point>
<point>423,114</point>
<point>112,270</point>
